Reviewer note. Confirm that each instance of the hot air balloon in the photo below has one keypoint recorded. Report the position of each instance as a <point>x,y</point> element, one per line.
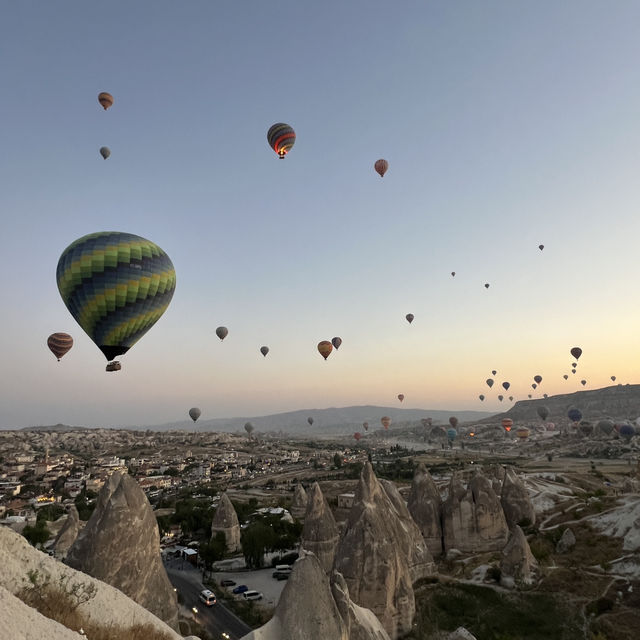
<point>453,274</point>
<point>583,382</point>
<point>451,434</point>
<point>116,286</point>
<point>264,351</point>
<point>366,426</point>
<point>529,395</point>
<point>613,378</point>
<point>222,332</point>
<point>543,412</point>
<point>386,421</point>
<point>194,413</point>
<point>381,166</point>
<point>575,415</point>
<point>453,421</point>
<point>310,421</point>
<point>538,379</point>
<point>105,99</point>
<point>489,382</point>
<point>544,395</point>
<point>541,247</point>
<point>507,423</point>
<point>105,152</point>
<point>574,365</point>
<point>481,398</point>
<point>510,398</point>
<point>248,427</point>
<point>576,352</point>
<point>325,348</point>
<point>565,376</point>
<point>486,285</point>
<point>409,317</point>
<point>573,370</point>
<point>281,138</point>
<point>493,373</point>
<point>357,435</point>
<point>627,431</point>
<point>605,427</point>
<point>500,398</point>
<point>522,433</point>
<point>506,385</point>
<point>59,344</point>
<point>336,342</point>
<point>401,397</point>
<point>534,386</point>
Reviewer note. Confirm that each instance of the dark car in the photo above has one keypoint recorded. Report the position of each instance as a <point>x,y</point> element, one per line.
<point>281,576</point>
<point>227,583</point>
<point>241,588</point>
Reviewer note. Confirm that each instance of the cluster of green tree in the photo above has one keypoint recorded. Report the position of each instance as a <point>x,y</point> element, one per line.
<point>268,533</point>
<point>38,534</point>
<point>399,469</point>
<point>193,515</point>
<point>50,512</point>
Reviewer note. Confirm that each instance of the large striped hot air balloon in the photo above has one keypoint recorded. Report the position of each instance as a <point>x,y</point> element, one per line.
<point>281,138</point>
<point>59,344</point>
<point>116,286</point>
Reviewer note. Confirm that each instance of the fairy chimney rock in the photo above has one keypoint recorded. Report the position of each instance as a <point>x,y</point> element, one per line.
<point>473,520</point>
<point>515,500</point>
<point>300,500</point>
<point>425,506</point>
<point>68,533</point>
<point>120,545</point>
<point>518,565</point>
<point>373,558</point>
<point>320,532</point>
<point>225,520</point>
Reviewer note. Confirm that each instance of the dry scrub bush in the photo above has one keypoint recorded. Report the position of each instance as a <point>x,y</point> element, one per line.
<point>61,601</point>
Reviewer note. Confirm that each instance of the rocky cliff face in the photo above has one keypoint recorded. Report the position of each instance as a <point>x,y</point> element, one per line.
<point>121,546</point>
<point>225,519</point>
<point>425,507</point>
<point>408,535</point>
<point>68,533</point>
<point>320,532</point>
<point>373,558</point>
<point>473,519</point>
<point>312,607</point>
<point>515,500</point>
<point>109,608</point>
<point>300,500</point>
<point>518,566</point>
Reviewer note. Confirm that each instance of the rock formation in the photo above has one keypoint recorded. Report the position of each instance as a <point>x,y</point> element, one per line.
<point>419,558</point>
<point>68,533</point>
<point>517,565</point>
<point>516,503</point>
<point>226,520</point>
<point>312,607</point>
<point>372,556</point>
<point>425,506</point>
<point>473,520</point>
<point>120,545</point>
<point>300,500</point>
<point>109,607</point>
<point>320,532</point>
<point>566,542</point>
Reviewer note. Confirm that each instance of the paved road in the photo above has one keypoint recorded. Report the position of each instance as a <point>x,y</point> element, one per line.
<point>216,619</point>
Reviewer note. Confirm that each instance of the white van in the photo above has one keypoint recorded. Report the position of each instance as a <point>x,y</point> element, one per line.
<point>208,597</point>
<point>252,595</point>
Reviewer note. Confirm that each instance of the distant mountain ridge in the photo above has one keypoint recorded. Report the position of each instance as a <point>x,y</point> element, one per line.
<point>325,421</point>
<point>618,402</point>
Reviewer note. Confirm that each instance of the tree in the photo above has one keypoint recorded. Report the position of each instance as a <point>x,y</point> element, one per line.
<point>337,461</point>
<point>212,551</point>
<point>255,540</point>
<point>37,535</point>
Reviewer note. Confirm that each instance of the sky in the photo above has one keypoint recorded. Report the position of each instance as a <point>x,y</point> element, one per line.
<point>506,124</point>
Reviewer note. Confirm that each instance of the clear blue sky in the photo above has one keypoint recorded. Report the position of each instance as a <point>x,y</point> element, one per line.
<point>506,125</point>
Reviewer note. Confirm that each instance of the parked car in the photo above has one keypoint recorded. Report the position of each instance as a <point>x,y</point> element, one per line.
<point>281,576</point>
<point>227,583</point>
<point>208,597</point>
<point>252,595</point>
<point>241,588</point>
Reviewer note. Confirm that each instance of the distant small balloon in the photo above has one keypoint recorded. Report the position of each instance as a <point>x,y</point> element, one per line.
<point>105,152</point>
<point>538,379</point>
<point>544,395</point>
<point>366,426</point>
<point>325,348</point>
<point>507,423</point>
<point>105,99</point>
<point>573,370</point>
<point>489,382</point>
<point>583,382</point>
<point>493,373</point>
<point>486,285</point>
<point>481,397</point>
<point>613,378</point>
<point>574,365</point>
<point>281,137</point>
<point>510,398</point>
<point>264,351</point>
<point>59,344</point>
<point>357,435</point>
<point>534,386</point>
<point>506,385</point>
<point>409,317</point>
<point>529,396</point>
<point>194,413</point>
<point>574,415</point>
<point>541,247</point>
<point>386,421</point>
<point>565,376</point>
<point>500,398</point>
<point>381,166</point>
<point>336,342</point>
<point>576,352</point>
<point>310,421</point>
<point>401,397</point>
<point>453,274</point>
<point>453,421</point>
<point>543,412</point>
<point>222,332</point>
<point>248,427</point>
